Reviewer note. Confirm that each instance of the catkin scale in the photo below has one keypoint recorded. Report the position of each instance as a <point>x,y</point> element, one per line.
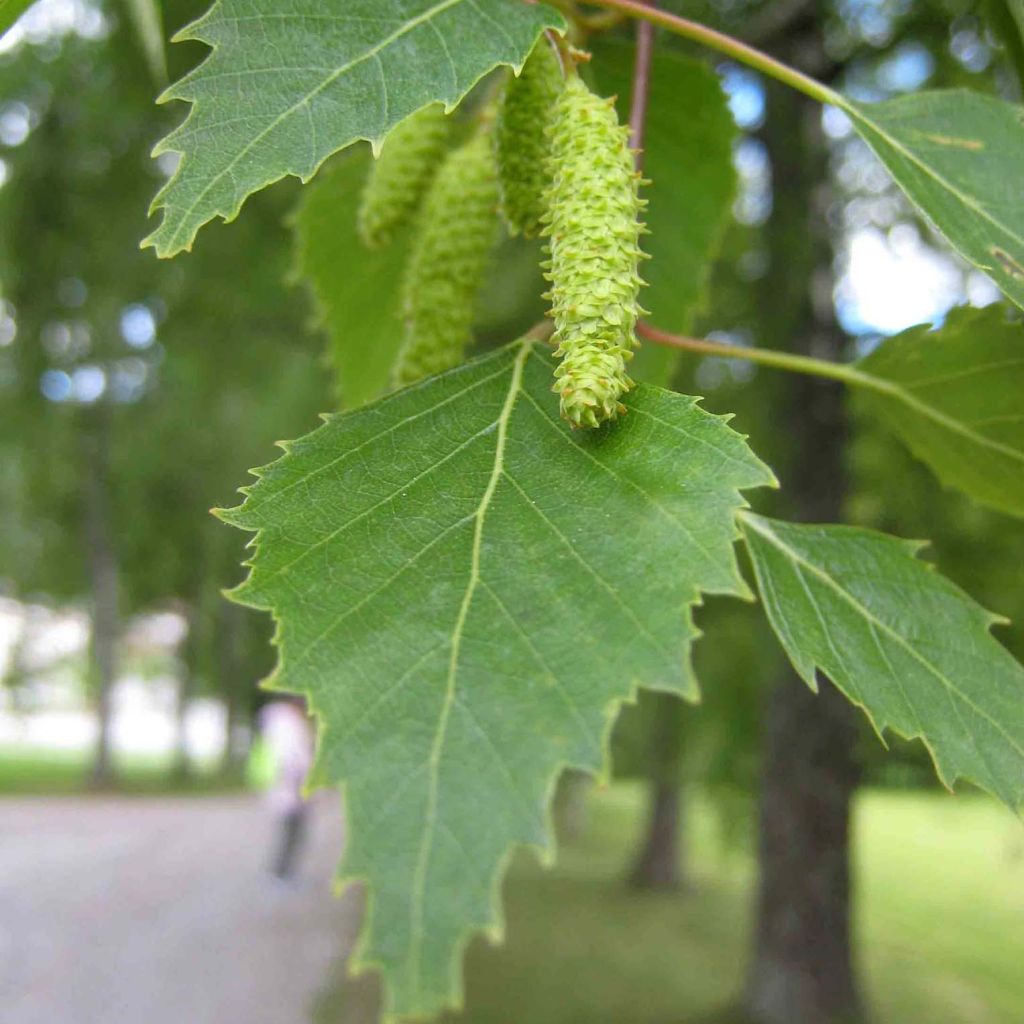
<point>401,173</point>
<point>521,139</point>
<point>457,228</point>
<point>593,226</point>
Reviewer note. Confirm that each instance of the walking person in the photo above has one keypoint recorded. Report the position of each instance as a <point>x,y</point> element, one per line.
<point>287,732</point>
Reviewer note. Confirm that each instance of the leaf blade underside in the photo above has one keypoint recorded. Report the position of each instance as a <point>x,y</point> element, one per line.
<point>467,591</point>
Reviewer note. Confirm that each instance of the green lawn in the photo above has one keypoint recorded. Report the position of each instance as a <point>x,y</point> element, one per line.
<point>940,884</point>
<point>29,771</point>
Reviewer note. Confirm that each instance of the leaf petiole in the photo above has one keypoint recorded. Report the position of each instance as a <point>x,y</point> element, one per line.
<point>726,44</point>
<point>763,356</point>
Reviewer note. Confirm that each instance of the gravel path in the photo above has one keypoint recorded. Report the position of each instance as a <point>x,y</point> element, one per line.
<point>133,911</point>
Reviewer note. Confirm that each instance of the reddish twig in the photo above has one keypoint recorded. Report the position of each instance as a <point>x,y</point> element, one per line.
<point>641,89</point>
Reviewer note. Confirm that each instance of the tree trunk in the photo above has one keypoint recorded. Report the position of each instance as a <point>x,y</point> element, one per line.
<point>570,805</point>
<point>233,688</point>
<point>181,768</point>
<point>103,571</point>
<point>802,969</point>
<point>658,862</point>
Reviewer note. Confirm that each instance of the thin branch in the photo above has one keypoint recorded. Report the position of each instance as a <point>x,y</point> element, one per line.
<point>602,22</point>
<point>726,44</point>
<point>641,89</point>
<point>763,356</point>
<point>540,331</point>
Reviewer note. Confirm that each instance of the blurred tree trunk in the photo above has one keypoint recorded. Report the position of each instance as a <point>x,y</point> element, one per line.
<point>802,969</point>
<point>181,769</point>
<point>234,688</point>
<point>104,585</point>
<point>570,805</point>
<point>658,862</point>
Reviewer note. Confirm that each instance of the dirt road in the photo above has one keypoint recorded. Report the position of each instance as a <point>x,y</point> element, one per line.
<point>133,911</point>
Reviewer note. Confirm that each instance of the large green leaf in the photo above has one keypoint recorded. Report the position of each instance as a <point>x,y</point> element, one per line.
<point>901,641</point>
<point>356,290</point>
<point>466,589</point>
<point>955,396</point>
<point>289,83</point>
<point>958,155</point>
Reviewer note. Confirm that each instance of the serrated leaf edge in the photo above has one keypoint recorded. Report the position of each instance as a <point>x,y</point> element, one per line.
<point>178,91</point>
<point>494,929</point>
<point>808,667</point>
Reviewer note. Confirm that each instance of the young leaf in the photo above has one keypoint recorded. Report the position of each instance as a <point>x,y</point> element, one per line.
<point>288,85</point>
<point>954,396</point>
<point>467,590</point>
<point>901,641</point>
<point>356,290</point>
<point>957,154</point>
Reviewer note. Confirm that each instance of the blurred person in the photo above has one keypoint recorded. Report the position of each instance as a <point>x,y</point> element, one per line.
<point>287,733</point>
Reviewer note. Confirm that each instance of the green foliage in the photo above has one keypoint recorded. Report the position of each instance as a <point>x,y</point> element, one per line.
<point>903,643</point>
<point>1006,21</point>
<point>954,152</point>
<point>593,224</point>
<point>449,260</point>
<point>954,397</point>
<point>401,174</point>
<point>10,11</point>
<point>484,532</point>
<point>467,589</point>
<point>303,79</point>
<point>522,140</point>
<point>357,291</point>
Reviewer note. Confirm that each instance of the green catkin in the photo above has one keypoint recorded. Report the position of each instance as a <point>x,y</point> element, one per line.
<point>522,141</point>
<point>401,173</point>
<point>446,267</point>
<point>593,224</point>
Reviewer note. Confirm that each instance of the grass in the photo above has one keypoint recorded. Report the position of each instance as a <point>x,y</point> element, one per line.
<point>939,921</point>
<point>30,771</point>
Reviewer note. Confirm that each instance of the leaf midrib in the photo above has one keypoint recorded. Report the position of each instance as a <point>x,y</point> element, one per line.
<point>968,201</point>
<point>437,747</point>
<point>898,392</point>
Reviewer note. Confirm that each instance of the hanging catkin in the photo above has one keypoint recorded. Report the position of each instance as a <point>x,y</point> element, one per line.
<point>522,140</point>
<point>401,174</point>
<point>593,224</point>
<point>449,259</point>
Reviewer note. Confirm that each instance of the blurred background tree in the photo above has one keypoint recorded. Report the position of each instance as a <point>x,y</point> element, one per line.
<point>136,393</point>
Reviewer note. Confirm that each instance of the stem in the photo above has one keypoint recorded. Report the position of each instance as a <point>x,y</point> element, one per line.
<point>726,44</point>
<point>763,356</point>
<point>540,331</point>
<point>641,90</point>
